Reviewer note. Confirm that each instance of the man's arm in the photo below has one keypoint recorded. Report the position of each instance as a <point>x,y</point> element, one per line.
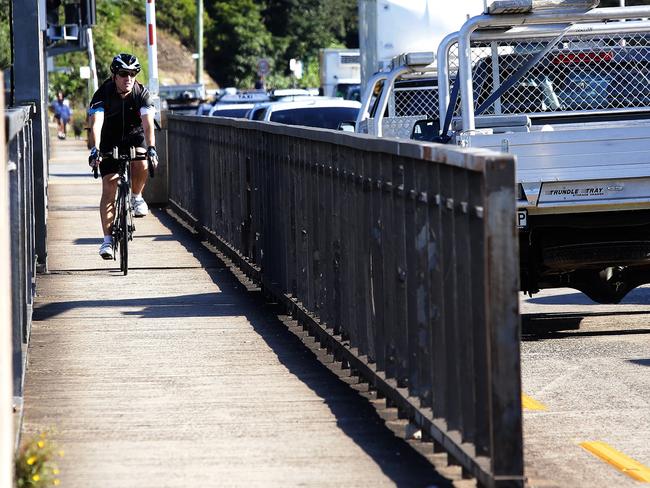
<point>148,126</point>
<point>96,123</point>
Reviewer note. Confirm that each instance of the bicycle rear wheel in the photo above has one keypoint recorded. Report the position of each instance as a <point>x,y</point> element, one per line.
<point>124,230</point>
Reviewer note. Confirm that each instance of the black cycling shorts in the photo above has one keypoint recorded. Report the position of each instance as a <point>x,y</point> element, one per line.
<point>110,166</point>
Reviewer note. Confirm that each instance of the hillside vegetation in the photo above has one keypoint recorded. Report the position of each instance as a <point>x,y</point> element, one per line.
<point>237,33</point>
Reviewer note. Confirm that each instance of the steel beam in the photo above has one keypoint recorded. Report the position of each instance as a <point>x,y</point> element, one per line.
<point>30,88</point>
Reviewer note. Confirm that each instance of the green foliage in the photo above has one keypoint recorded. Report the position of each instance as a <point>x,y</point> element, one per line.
<point>236,39</point>
<point>237,33</point>
<point>5,42</point>
<point>73,87</point>
<point>241,31</point>
<point>179,18</point>
<point>35,463</point>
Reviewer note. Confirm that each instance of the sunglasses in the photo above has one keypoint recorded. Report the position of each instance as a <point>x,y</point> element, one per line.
<point>124,74</point>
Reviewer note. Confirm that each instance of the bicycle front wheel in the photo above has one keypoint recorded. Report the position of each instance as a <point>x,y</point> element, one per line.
<point>124,226</point>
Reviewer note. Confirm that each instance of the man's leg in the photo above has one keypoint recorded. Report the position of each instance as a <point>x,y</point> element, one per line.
<point>139,175</point>
<point>107,212</point>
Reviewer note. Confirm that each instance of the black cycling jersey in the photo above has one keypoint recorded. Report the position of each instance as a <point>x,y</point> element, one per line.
<point>122,123</point>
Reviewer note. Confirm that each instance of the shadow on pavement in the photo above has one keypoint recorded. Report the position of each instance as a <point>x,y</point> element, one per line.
<point>354,414</point>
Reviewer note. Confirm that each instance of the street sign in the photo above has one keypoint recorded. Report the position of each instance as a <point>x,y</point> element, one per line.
<point>263,67</point>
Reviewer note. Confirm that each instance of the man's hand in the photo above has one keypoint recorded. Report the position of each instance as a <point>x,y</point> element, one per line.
<point>152,156</point>
<point>95,158</point>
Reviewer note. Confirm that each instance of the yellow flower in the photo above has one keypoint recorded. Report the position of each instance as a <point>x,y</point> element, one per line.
<point>55,471</point>
<point>36,477</point>
<point>56,482</point>
<point>31,460</point>
<point>61,453</point>
<point>41,444</point>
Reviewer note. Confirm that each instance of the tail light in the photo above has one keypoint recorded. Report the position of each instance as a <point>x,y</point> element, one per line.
<point>585,57</point>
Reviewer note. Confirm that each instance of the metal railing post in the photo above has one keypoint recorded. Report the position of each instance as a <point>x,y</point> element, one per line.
<point>30,88</point>
<point>6,324</point>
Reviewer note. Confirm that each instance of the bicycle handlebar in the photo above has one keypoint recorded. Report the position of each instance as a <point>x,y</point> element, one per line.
<point>125,157</point>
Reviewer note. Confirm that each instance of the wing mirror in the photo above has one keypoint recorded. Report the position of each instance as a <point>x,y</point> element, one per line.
<point>426,130</point>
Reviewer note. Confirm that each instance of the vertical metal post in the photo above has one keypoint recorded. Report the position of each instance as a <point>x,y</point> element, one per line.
<point>152,50</point>
<point>199,41</point>
<point>92,62</point>
<point>6,381</point>
<point>503,326</point>
<point>30,86</point>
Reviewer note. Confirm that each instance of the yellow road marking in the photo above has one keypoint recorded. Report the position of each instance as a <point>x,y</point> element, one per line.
<point>529,404</point>
<point>620,461</point>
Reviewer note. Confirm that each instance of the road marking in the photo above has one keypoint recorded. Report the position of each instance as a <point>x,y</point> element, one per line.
<point>620,461</point>
<point>529,404</point>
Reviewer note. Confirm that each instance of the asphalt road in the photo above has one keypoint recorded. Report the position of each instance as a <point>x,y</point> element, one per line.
<point>588,367</point>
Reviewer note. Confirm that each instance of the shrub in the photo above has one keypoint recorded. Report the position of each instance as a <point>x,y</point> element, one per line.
<point>35,466</point>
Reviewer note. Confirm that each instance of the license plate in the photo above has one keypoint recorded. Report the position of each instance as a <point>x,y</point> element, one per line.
<point>522,219</point>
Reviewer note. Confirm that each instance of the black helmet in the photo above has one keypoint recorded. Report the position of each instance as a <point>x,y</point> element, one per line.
<point>126,62</point>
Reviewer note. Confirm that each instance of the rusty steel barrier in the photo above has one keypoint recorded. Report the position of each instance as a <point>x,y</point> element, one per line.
<point>400,257</point>
<point>22,244</point>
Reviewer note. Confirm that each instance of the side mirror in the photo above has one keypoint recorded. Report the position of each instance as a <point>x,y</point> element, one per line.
<point>347,126</point>
<point>426,130</point>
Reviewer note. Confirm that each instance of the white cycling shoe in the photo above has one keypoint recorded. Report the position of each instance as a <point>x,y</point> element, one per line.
<point>139,206</point>
<point>106,250</point>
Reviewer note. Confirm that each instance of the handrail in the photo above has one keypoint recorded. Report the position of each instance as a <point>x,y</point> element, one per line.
<point>16,119</point>
<point>400,257</point>
<point>19,159</point>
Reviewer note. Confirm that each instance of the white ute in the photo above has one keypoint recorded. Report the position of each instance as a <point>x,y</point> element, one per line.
<point>566,88</point>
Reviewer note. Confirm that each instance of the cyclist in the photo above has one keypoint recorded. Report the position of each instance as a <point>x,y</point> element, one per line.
<point>121,114</point>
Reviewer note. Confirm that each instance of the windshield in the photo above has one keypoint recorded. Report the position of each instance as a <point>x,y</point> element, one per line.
<point>231,112</point>
<point>323,117</point>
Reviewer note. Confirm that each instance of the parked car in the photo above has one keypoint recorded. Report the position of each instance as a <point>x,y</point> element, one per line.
<point>236,110</point>
<point>327,113</point>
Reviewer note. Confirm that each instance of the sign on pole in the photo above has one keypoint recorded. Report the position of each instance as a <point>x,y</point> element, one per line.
<point>263,67</point>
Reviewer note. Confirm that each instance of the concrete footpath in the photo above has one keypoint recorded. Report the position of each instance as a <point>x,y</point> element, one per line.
<point>176,375</point>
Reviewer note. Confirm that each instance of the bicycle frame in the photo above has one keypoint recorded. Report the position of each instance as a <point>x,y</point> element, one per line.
<point>123,228</point>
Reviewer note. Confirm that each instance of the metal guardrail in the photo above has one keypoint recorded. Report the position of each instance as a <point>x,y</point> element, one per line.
<point>400,257</point>
<point>23,248</point>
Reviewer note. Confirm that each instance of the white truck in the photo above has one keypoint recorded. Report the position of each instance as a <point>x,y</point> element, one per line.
<point>567,90</point>
<point>340,72</point>
<point>383,38</point>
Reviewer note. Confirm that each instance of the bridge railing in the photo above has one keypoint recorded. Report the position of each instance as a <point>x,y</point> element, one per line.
<point>19,164</point>
<point>400,257</point>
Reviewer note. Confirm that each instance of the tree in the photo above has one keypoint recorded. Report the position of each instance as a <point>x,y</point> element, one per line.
<point>5,41</point>
<point>236,38</point>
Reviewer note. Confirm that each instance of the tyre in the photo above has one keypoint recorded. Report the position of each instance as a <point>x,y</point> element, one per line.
<point>122,223</point>
<point>124,230</point>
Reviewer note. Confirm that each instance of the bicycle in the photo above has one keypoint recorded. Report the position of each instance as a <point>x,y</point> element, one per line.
<point>123,227</point>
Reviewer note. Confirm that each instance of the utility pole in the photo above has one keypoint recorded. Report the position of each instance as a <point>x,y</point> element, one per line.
<point>92,62</point>
<point>152,49</point>
<point>199,41</point>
